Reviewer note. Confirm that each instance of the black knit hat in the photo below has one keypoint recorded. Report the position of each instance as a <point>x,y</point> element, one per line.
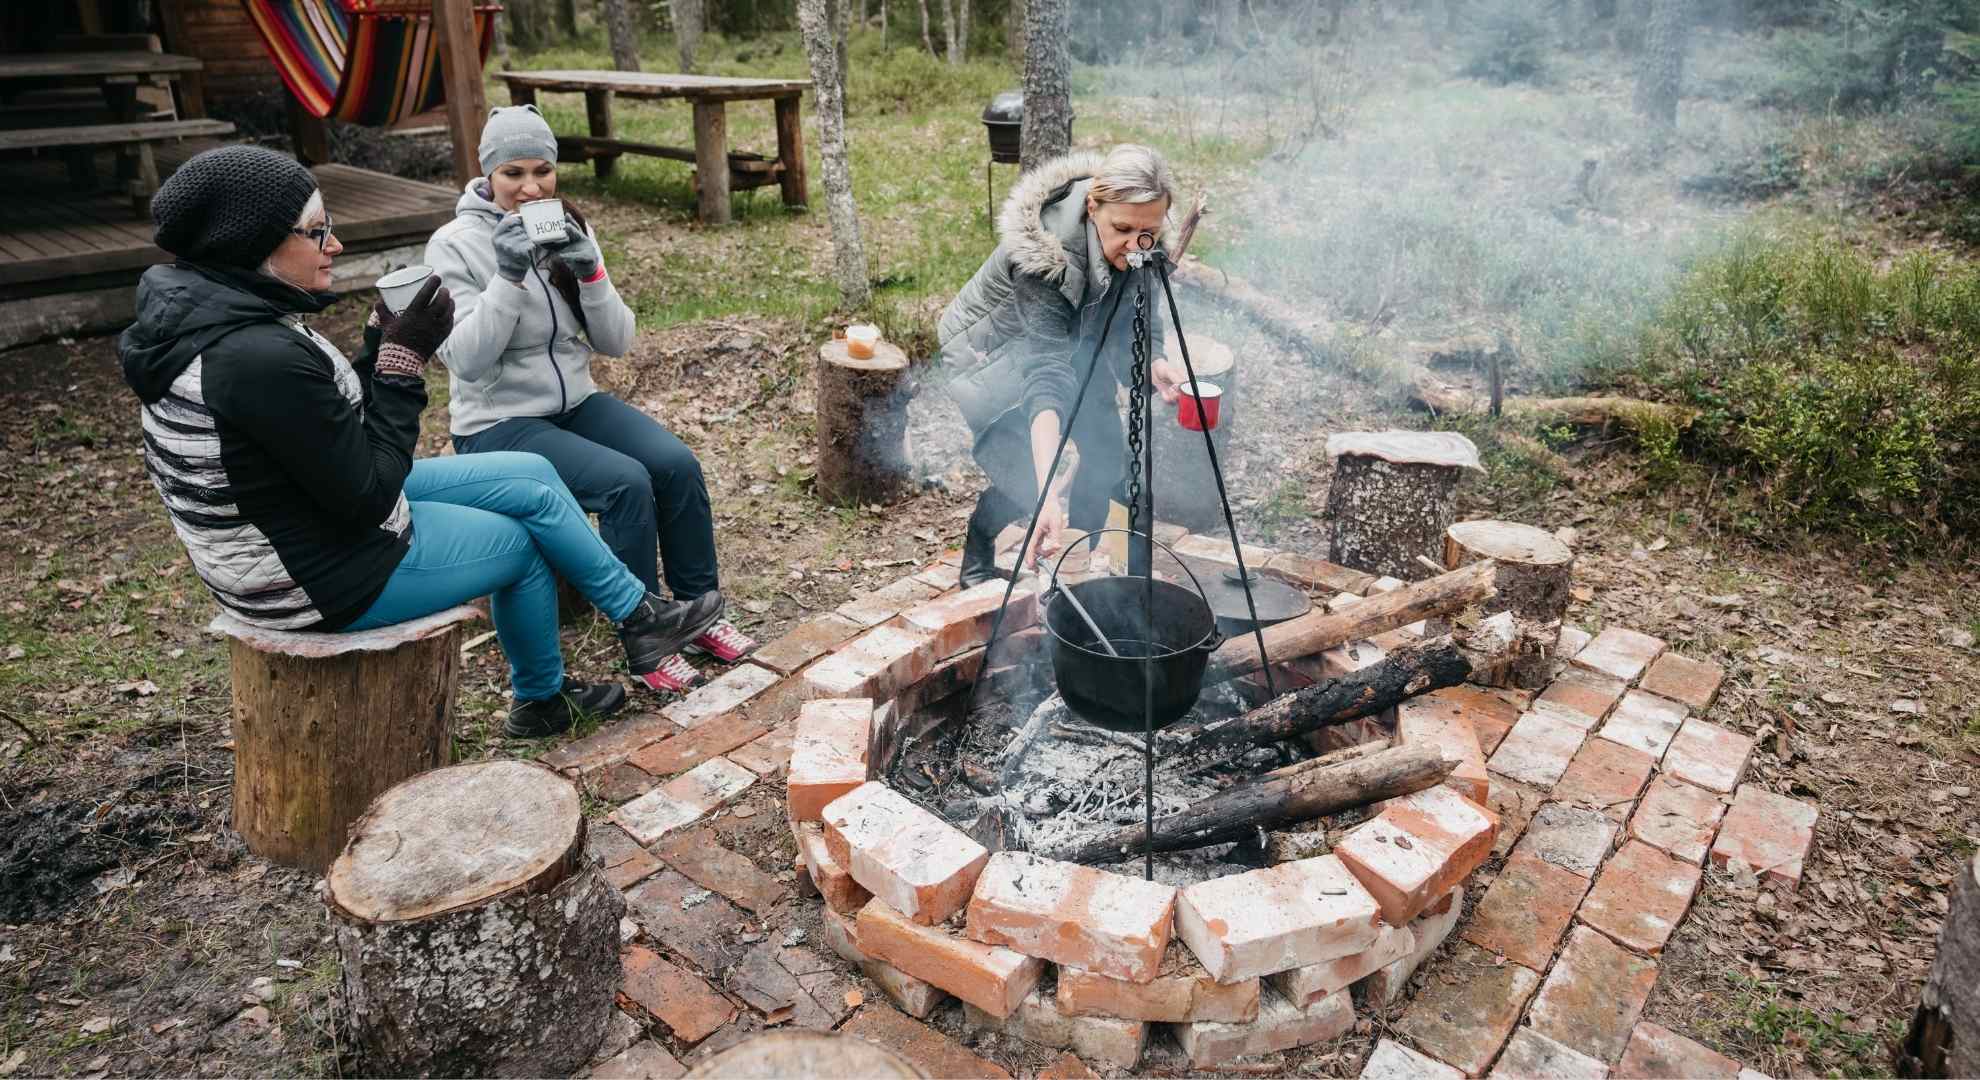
<point>231,206</point>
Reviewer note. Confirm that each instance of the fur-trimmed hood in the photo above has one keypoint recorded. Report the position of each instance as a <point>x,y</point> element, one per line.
<point>1034,247</point>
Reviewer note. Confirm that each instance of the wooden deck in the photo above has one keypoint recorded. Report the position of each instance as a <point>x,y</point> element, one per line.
<point>55,241</point>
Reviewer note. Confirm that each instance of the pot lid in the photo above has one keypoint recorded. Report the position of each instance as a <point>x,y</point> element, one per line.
<point>1276,600</point>
<point>1005,108</point>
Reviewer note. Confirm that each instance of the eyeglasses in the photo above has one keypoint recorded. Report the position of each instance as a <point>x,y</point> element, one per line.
<point>320,234</point>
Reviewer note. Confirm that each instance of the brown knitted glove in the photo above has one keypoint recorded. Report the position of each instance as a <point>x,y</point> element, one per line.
<point>412,337</point>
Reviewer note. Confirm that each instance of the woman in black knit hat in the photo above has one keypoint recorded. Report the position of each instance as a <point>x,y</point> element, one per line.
<point>288,470</point>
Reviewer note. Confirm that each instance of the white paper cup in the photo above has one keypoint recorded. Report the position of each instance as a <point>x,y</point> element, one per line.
<point>543,220</point>
<point>399,287</point>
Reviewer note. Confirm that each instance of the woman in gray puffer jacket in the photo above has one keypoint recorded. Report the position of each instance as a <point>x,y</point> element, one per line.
<point>527,319</point>
<point>1023,332</point>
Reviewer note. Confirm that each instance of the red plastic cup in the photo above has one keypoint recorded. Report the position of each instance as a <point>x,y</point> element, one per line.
<point>1187,412</point>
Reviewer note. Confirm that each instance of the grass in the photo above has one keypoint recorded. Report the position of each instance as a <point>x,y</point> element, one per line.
<point>1826,1037</point>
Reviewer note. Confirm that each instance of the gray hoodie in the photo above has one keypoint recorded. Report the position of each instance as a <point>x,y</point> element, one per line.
<point>515,351</point>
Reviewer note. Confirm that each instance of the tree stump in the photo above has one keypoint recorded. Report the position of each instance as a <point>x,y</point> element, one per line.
<point>324,722</point>
<point>1945,1031</point>
<point>477,938</point>
<point>1189,487</point>
<point>1533,577</point>
<point>862,424</point>
<point>778,1054</point>
<point>1391,498</point>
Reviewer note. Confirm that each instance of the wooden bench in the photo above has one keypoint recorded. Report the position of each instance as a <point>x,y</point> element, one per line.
<point>324,722</point>
<point>718,170</point>
<point>134,139</point>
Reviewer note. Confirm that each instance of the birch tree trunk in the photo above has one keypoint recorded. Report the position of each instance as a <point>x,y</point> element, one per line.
<point>619,28</point>
<point>819,23</point>
<point>949,28</point>
<point>1660,67</point>
<point>926,41</point>
<point>687,29</point>
<point>1048,115</point>
<point>962,32</point>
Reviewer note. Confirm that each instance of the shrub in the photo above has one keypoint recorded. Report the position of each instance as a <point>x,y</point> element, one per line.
<point>1508,41</point>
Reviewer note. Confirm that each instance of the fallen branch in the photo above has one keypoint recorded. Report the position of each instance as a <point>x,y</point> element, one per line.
<point>1319,630</point>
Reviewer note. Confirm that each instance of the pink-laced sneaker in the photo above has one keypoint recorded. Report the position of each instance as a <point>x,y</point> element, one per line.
<point>723,642</point>
<point>673,674</point>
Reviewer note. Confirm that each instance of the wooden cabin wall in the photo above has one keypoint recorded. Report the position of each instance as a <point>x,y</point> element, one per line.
<point>218,32</point>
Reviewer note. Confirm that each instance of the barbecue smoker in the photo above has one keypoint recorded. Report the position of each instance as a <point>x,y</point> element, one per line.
<point>1128,652</point>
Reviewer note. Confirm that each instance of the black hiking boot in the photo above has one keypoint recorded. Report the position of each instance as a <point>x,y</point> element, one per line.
<point>537,719</point>
<point>659,628</point>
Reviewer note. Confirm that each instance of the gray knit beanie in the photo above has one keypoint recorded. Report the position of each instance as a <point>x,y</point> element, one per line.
<point>230,206</point>
<point>515,131</point>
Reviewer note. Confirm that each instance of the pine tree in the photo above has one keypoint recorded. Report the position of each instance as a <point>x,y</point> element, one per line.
<point>625,42</point>
<point>1660,67</point>
<point>1048,114</point>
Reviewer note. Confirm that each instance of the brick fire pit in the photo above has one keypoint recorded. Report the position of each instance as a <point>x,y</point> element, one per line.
<point>1604,795</point>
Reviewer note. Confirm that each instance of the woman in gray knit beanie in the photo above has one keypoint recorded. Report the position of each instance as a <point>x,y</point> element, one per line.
<point>528,318</point>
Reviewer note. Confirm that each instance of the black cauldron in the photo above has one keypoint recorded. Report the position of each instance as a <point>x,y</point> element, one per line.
<point>1004,119</point>
<point>1107,690</point>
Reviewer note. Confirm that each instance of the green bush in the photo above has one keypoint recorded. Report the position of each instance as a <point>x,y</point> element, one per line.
<point>1508,41</point>
<point>1835,392</point>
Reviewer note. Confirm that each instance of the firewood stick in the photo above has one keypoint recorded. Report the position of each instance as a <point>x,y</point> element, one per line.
<point>1269,803</point>
<point>1319,630</point>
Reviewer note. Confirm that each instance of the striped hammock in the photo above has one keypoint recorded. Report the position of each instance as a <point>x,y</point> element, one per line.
<point>373,62</point>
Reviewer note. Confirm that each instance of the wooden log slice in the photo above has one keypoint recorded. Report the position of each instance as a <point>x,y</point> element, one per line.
<point>477,937</point>
<point>777,1055</point>
<point>1391,498</point>
<point>1944,1039</point>
<point>1535,573</point>
<point>862,424</point>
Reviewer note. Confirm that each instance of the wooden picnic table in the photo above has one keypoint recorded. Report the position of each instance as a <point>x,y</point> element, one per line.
<point>119,73</point>
<point>718,170</point>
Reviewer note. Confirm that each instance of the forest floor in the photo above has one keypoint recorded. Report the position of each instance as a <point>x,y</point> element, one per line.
<point>137,937</point>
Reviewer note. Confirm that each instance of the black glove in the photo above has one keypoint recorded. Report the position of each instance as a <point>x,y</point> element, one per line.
<point>411,337</point>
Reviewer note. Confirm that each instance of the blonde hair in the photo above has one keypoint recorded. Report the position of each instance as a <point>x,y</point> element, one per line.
<point>1132,173</point>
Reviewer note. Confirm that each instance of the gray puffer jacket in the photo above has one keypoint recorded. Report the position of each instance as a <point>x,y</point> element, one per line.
<point>1020,334</point>
<point>515,351</point>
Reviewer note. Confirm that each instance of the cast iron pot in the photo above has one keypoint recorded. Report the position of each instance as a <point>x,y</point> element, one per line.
<point>1107,690</point>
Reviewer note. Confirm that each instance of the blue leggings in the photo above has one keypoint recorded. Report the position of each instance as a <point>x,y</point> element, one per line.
<point>496,525</point>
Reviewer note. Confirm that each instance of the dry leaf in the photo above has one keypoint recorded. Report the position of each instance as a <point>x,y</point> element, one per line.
<point>120,629</point>
<point>98,1025</point>
<point>164,1026</point>
<point>140,687</point>
<point>854,999</point>
<point>15,652</point>
<point>13,1063</point>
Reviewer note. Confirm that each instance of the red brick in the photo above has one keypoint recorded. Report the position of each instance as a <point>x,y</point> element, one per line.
<point>1768,832</point>
<point>689,920</point>
<point>624,861</point>
<point>1532,1056</point>
<point>876,665</point>
<point>725,694</point>
<point>682,801</point>
<point>1678,819</point>
<point>1680,678</point>
<point>609,744</point>
<point>702,859</point>
<point>1432,721</point>
<point>1593,996</point>
<point>945,680</point>
<point>1573,838</point>
<point>990,977</point>
<point>643,1060</point>
<point>913,996</point>
<point>840,892</point>
<point>767,755</point>
<point>1429,930</point>
<point>1640,897</point>
<point>1573,640</point>
<point>1537,750</point>
<point>910,858</point>
<point>1315,574</point>
<point>934,1053</point>
<point>1108,1040</point>
<point>778,705</point>
<point>1514,804</point>
<point>871,609</point>
<point>1491,715</point>
<point>1708,755</point>
<point>1418,849</point>
<point>1067,1067</point>
<point>1582,698</point>
<point>1464,1013</point>
<point>1103,922</point>
<point>961,621</point>
<point>1392,1060</point>
<point>1658,1053</point>
<point>1620,653</point>
<point>1643,721</point>
<point>1281,1025</point>
<point>1524,914</point>
<point>675,997</point>
<point>1307,985</point>
<point>828,753</point>
<point>1607,776</point>
<point>1280,917</point>
<point>1183,990</point>
<point>806,642</point>
<point>691,748</point>
<point>619,782</point>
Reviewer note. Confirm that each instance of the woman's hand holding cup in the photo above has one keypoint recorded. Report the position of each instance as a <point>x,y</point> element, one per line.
<point>1168,377</point>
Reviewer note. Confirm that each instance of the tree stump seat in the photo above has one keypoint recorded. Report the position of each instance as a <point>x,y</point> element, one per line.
<point>323,722</point>
<point>1392,498</point>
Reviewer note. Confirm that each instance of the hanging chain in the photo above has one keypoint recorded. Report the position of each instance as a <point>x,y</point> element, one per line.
<point>1137,401</point>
